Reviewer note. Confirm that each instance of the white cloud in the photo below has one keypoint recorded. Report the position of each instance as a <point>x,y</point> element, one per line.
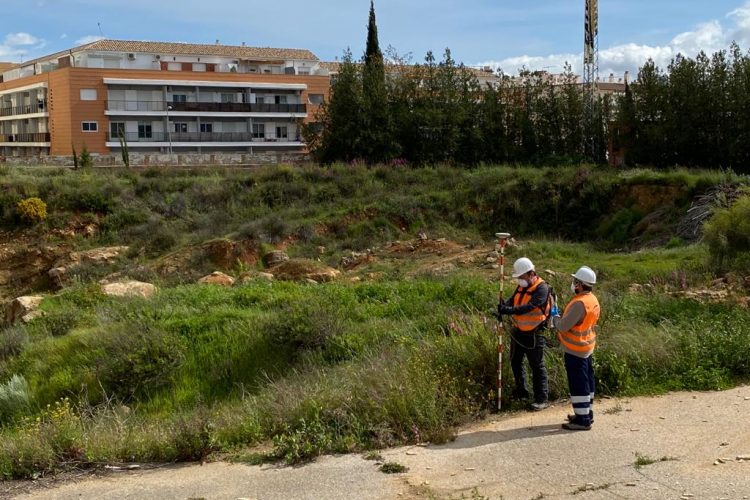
<point>741,17</point>
<point>16,39</point>
<point>88,39</point>
<point>63,36</point>
<point>709,37</point>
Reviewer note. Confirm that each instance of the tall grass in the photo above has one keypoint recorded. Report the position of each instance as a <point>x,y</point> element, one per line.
<point>318,369</point>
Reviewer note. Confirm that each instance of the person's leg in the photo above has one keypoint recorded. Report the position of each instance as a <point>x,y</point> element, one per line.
<point>539,370</point>
<point>577,370</point>
<point>592,386</point>
<point>519,370</point>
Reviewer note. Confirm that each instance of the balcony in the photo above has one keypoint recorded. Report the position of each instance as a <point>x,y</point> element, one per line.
<point>205,107</point>
<point>197,137</point>
<point>32,137</point>
<point>26,109</point>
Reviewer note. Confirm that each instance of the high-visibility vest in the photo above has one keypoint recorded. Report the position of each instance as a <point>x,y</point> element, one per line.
<point>581,339</point>
<point>532,319</point>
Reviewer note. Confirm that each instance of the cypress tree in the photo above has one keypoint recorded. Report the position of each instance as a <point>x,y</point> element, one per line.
<point>377,136</point>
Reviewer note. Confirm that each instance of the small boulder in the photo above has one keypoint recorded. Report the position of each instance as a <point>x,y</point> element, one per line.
<point>24,309</point>
<point>272,259</point>
<point>217,278</point>
<point>129,289</point>
<point>302,269</point>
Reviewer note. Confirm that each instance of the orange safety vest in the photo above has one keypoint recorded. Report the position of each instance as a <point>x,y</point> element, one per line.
<point>532,319</point>
<point>581,339</point>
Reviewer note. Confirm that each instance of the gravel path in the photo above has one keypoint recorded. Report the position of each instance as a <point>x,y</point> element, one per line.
<point>695,440</point>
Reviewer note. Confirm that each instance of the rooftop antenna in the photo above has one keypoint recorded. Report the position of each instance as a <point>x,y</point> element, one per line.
<point>100,29</point>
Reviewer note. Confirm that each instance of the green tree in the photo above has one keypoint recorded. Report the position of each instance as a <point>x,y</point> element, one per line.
<point>337,135</point>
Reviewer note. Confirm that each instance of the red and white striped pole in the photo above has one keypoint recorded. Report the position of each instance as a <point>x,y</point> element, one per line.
<point>502,239</point>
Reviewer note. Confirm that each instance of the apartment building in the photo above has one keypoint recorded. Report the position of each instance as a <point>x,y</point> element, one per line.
<point>160,97</point>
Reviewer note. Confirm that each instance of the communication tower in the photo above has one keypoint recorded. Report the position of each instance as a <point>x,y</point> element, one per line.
<point>590,75</point>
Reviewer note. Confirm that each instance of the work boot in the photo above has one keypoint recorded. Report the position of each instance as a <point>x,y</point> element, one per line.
<point>539,406</point>
<point>572,417</point>
<point>573,426</point>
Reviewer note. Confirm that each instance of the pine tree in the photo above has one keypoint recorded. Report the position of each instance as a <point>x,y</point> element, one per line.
<point>340,120</point>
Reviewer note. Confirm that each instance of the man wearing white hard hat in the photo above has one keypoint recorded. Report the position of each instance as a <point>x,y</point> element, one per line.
<point>577,335</point>
<point>529,307</point>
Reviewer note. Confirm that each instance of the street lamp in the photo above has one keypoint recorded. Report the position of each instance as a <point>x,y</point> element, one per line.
<point>169,132</point>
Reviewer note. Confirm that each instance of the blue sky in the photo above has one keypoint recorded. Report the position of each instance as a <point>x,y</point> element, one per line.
<point>509,34</point>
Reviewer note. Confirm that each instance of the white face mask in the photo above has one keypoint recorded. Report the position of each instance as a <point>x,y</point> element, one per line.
<point>573,287</point>
<point>522,283</point>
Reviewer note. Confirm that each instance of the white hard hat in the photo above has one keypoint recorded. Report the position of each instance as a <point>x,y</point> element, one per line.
<point>522,266</point>
<point>585,275</point>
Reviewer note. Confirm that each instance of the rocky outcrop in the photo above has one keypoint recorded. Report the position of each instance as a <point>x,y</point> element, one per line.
<point>303,270</point>
<point>129,289</point>
<point>23,309</point>
<point>217,278</point>
<point>272,259</point>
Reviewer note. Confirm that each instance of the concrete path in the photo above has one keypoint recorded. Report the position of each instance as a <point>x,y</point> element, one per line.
<point>694,438</point>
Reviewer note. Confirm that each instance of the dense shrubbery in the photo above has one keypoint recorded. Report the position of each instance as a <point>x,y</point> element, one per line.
<point>350,206</point>
<point>728,235</point>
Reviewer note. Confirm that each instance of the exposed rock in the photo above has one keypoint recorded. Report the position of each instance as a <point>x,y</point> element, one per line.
<point>356,259</point>
<point>272,259</point>
<point>98,255</point>
<point>550,272</point>
<point>225,254</point>
<point>217,278</point>
<point>129,289</point>
<point>23,308</point>
<point>303,269</point>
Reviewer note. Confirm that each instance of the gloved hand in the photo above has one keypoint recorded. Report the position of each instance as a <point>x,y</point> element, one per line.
<point>503,309</point>
<point>554,311</point>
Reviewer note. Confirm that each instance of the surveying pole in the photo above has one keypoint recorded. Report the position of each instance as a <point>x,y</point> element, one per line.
<point>502,239</point>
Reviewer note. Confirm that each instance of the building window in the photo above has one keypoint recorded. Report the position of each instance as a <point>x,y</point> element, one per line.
<point>280,99</point>
<point>259,130</point>
<point>282,132</point>
<point>88,94</point>
<point>207,127</point>
<point>316,98</point>
<point>260,100</point>
<point>116,128</point>
<point>174,66</point>
<point>89,126</point>
<point>144,131</point>
<point>199,67</point>
<point>180,128</point>
<point>227,97</point>
<point>179,97</point>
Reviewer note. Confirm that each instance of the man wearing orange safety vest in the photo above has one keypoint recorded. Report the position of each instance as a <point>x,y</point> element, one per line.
<point>528,307</point>
<point>576,331</point>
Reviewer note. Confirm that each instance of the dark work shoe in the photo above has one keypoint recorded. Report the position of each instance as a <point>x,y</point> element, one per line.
<point>572,426</point>
<point>572,418</point>
<point>539,406</point>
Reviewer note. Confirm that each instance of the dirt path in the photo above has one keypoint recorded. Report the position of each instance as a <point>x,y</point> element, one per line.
<point>520,456</point>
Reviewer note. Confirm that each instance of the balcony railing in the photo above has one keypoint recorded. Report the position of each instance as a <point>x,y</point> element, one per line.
<point>34,137</point>
<point>197,137</point>
<point>212,107</point>
<point>26,109</point>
